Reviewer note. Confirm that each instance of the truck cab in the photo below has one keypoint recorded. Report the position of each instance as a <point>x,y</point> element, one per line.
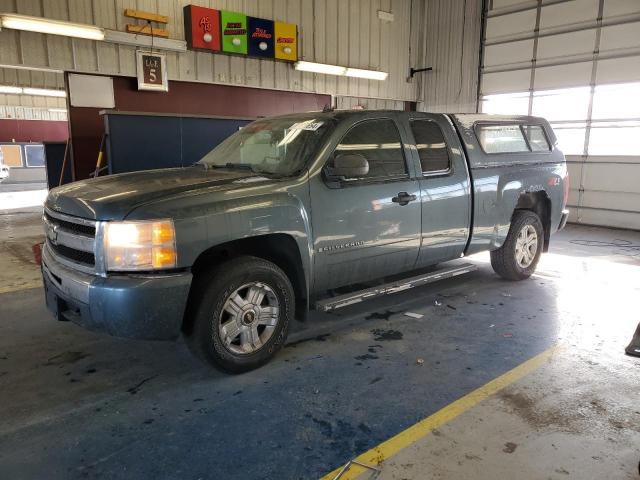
<point>227,252</point>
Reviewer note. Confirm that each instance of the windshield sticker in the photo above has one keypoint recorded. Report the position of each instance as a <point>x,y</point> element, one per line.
<point>311,125</point>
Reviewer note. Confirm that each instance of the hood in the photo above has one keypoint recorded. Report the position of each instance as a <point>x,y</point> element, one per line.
<point>114,196</point>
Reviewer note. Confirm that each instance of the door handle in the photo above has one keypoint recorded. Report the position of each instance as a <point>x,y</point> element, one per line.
<point>403,198</point>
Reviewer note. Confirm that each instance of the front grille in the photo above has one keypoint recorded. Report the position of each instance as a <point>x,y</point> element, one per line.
<point>71,239</point>
<point>73,254</point>
<point>71,226</point>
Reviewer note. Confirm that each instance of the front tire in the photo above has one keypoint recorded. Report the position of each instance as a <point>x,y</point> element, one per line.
<point>241,314</point>
<point>519,255</point>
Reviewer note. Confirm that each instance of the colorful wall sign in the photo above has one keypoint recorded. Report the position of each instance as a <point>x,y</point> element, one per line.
<point>234,32</point>
<point>202,28</point>
<point>286,47</point>
<point>260,37</point>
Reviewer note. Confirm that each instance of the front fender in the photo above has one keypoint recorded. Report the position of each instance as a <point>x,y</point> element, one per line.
<point>206,219</point>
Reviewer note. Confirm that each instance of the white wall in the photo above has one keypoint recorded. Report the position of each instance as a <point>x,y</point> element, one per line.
<point>30,78</point>
<point>451,45</point>
<point>330,31</point>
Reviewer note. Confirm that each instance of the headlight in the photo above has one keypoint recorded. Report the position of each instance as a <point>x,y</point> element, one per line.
<point>143,245</point>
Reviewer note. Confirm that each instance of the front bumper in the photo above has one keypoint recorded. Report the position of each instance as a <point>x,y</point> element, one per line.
<point>147,307</point>
<point>563,219</point>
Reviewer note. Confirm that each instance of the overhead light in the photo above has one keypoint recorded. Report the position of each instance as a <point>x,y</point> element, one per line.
<point>44,92</point>
<point>53,27</point>
<point>57,110</point>
<point>370,74</point>
<point>40,92</point>
<point>320,68</point>
<point>10,89</point>
<point>340,71</point>
<point>159,43</point>
<point>28,67</point>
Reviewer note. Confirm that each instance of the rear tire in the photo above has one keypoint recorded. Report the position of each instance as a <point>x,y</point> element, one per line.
<point>519,255</point>
<point>241,314</point>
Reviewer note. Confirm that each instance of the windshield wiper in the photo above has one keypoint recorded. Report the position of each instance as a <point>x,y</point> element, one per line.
<point>231,165</point>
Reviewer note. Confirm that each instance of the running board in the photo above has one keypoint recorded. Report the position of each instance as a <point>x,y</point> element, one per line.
<point>340,301</point>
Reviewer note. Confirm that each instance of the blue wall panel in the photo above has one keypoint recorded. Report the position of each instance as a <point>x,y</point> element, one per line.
<point>145,142</point>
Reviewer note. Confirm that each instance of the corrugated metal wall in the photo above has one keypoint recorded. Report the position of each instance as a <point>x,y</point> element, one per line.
<point>30,78</point>
<point>348,103</point>
<point>28,113</point>
<point>330,31</point>
<point>451,47</point>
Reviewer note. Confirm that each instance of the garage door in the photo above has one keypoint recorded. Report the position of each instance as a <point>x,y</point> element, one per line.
<point>577,63</point>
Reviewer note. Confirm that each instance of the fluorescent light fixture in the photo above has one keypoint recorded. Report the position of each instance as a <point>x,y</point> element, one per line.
<point>44,92</point>
<point>319,68</point>
<point>53,27</point>
<point>27,67</point>
<point>10,89</point>
<point>158,43</point>
<point>370,74</point>
<point>340,71</point>
<point>57,110</point>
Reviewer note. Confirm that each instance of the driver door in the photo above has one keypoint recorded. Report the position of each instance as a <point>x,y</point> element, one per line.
<point>366,227</point>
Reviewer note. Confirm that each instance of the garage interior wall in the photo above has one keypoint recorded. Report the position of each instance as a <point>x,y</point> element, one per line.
<point>329,31</point>
<point>450,44</point>
<point>584,77</point>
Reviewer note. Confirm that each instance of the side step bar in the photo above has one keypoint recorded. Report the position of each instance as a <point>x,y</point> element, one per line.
<point>340,301</point>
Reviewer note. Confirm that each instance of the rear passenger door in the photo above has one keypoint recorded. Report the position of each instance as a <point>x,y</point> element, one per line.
<point>444,188</point>
<point>367,227</point>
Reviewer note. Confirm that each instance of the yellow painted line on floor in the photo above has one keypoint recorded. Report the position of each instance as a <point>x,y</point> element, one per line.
<point>414,433</point>
<point>18,288</point>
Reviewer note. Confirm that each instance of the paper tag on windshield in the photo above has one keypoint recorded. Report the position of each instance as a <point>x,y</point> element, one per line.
<point>307,125</point>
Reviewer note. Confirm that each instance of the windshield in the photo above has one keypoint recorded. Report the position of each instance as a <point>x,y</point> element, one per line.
<point>277,146</point>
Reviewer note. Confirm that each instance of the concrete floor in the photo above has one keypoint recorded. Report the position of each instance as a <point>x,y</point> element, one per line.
<point>74,404</point>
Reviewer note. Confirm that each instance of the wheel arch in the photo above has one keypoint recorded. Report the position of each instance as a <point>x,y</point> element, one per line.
<point>278,248</point>
<point>539,203</point>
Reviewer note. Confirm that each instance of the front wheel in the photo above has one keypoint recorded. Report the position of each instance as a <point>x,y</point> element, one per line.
<point>519,255</point>
<point>241,314</point>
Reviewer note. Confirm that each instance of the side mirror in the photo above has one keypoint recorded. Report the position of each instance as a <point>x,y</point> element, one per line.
<point>350,165</point>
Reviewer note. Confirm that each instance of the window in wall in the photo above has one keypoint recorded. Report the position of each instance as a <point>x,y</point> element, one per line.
<point>379,142</point>
<point>570,137</point>
<point>564,104</point>
<point>35,155</point>
<point>432,148</point>
<point>537,139</point>
<point>614,138</point>
<point>12,155</point>
<point>501,138</point>
<point>507,103</point>
<point>616,101</point>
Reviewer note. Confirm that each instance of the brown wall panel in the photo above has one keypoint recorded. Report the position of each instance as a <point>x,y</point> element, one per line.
<point>32,130</point>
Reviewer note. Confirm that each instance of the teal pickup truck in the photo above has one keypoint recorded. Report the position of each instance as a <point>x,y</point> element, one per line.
<point>270,222</point>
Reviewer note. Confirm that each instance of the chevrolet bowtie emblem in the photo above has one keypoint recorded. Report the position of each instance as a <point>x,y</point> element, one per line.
<point>52,234</point>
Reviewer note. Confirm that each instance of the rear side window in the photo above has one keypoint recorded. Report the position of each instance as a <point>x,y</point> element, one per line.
<point>432,148</point>
<point>537,139</point>
<point>501,138</point>
<point>379,142</point>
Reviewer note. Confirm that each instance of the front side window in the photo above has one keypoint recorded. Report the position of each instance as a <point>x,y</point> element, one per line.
<point>432,148</point>
<point>379,142</point>
<point>501,138</point>
<point>277,146</point>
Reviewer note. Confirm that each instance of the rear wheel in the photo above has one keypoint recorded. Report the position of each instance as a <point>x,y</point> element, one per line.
<point>519,255</point>
<point>241,314</point>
